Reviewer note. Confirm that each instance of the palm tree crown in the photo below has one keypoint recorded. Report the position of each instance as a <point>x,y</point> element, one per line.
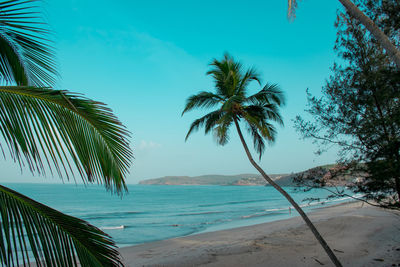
<point>231,86</point>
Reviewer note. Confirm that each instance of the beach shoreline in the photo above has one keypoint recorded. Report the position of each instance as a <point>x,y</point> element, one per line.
<point>360,235</point>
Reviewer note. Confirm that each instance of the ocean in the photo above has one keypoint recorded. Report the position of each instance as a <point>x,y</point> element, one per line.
<point>156,212</point>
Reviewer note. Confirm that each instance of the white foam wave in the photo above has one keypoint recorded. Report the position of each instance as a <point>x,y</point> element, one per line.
<point>112,227</point>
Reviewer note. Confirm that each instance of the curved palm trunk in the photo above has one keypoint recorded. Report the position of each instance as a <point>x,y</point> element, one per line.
<point>290,199</point>
<point>392,51</point>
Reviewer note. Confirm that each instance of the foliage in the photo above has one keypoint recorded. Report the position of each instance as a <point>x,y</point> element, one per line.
<point>47,129</point>
<point>42,125</point>
<point>26,55</point>
<point>359,110</point>
<point>386,14</point>
<point>53,237</point>
<point>291,10</point>
<point>231,96</point>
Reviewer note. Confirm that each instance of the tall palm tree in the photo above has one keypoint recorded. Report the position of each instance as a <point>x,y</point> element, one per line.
<point>392,51</point>
<point>57,131</point>
<point>257,111</point>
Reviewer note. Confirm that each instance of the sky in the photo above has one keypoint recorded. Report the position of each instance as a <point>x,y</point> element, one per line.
<point>145,58</point>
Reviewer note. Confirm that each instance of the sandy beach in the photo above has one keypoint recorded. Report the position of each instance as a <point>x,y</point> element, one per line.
<point>361,235</point>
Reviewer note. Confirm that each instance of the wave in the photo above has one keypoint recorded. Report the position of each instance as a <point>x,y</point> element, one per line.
<point>289,209</point>
<point>233,203</point>
<point>107,215</point>
<point>277,209</point>
<point>121,227</point>
<point>200,213</point>
<point>349,197</point>
<point>262,214</point>
<point>200,225</point>
<point>322,202</point>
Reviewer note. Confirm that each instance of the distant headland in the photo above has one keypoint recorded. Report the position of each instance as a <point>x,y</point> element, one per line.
<point>240,179</point>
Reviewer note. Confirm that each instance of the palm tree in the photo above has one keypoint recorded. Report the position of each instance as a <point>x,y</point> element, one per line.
<point>392,51</point>
<point>256,111</point>
<point>57,131</point>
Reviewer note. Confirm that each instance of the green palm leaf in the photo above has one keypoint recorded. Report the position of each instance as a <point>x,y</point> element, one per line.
<point>258,140</point>
<point>270,94</point>
<point>221,130</point>
<point>202,100</point>
<point>44,127</point>
<point>248,77</point>
<point>26,56</point>
<point>231,86</point>
<point>210,121</point>
<point>227,75</point>
<point>54,239</point>
<point>259,115</point>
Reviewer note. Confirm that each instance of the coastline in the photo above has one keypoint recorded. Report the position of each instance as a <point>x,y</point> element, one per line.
<point>360,235</point>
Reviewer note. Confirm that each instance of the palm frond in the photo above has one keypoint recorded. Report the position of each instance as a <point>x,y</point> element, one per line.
<point>260,122</point>
<point>26,53</point>
<point>210,121</point>
<point>11,70</point>
<point>226,74</point>
<point>258,140</point>
<point>250,75</point>
<point>231,102</point>
<point>221,131</point>
<point>268,112</point>
<point>258,126</point>
<point>50,127</point>
<point>272,114</point>
<point>221,135</point>
<point>54,239</point>
<point>291,11</point>
<point>202,100</point>
<point>219,74</point>
<point>270,94</point>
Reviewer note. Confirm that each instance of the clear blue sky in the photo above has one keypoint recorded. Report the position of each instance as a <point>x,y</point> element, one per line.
<point>144,58</point>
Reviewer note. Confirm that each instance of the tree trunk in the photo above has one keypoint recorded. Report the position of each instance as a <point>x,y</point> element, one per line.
<point>397,177</point>
<point>392,51</point>
<point>397,182</point>
<point>314,230</point>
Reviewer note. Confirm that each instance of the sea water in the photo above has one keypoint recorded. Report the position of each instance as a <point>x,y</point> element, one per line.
<point>155,212</point>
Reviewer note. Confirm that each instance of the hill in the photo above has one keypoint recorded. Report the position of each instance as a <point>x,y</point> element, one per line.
<point>241,179</point>
<point>322,172</point>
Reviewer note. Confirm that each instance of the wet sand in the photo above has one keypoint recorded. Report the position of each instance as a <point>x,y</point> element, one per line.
<point>359,234</point>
